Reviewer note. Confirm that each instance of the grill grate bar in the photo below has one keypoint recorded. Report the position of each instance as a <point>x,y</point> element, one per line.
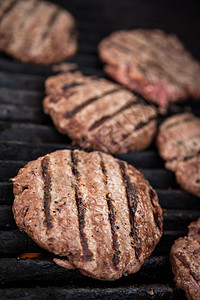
<point>14,76</point>
<point>28,82</point>
<point>21,113</point>
<point>142,292</point>
<point>32,133</point>
<point>16,270</point>
<point>6,193</point>
<point>10,169</point>
<point>20,97</point>
<point>7,65</point>
<point>14,242</point>
<point>177,199</point>
<point>20,150</point>
<point>86,59</point>
<point>159,178</point>
<point>6,218</point>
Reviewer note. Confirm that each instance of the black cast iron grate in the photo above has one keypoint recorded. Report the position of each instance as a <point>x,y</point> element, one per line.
<point>26,133</point>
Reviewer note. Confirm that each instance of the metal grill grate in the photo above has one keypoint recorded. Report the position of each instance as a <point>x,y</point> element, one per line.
<point>26,133</point>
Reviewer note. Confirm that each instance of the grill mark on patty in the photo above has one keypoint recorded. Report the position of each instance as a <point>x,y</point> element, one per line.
<point>188,119</point>
<point>9,9</point>
<point>111,215</point>
<point>115,257</point>
<point>50,23</point>
<point>120,47</point>
<point>54,99</point>
<point>132,206</point>
<point>66,87</point>
<point>182,259</point>
<point>31,11</point>
<point>140,125</point>
<point>77,109</point>
<point>147,64</point>
<point>21,24</point>
<point>140,98</point>
<point>102,120</point>
<point>47,190</point>
<point>192,156</point>
<point>186,158</point>
<point>149,42</point>
<point>156,216</point>
<point>87,254</point>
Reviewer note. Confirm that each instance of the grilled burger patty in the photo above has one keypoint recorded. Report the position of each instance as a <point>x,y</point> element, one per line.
<point>97,211</point>
<point>153,63</point>
<point>99,114</point>
<point>36,31</point>
<point>178,143</point>
<point>185,259</point>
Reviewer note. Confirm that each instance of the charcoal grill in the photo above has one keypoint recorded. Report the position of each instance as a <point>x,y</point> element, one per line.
<point>26,133</point>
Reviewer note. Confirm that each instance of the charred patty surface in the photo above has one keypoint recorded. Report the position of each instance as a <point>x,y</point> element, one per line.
<point>178,143</point>
<point>96,210</point>
<point>98,114</point>
<point>36,31</point>
<point>153,63</point>
<point>185,259</point>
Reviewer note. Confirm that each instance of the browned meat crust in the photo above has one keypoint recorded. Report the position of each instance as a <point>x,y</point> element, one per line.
<point>96,210</point>
<point>188,175</point>
<point>185,259</point>
<point>194,230</point>
<point>178,143</point>
<point>36,31</point>
<point>99,114</point>
<point>153,63</point>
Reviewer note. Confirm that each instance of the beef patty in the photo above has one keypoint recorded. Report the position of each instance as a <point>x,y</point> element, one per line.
<point>98,114</point>
<point>97,211</point>
<point>185,259</point>
<point>36,31</point>
<point>153,63</point>
<point>178,143</point>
